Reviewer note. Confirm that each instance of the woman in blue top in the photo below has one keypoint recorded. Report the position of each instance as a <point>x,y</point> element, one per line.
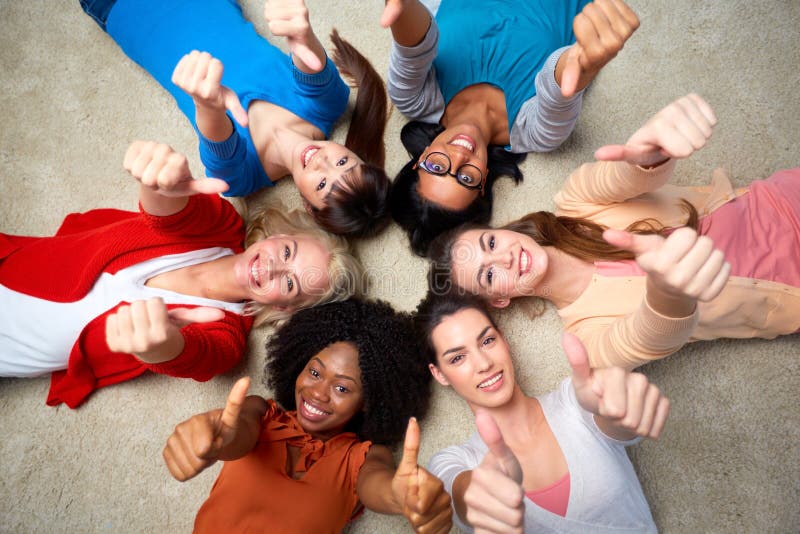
<point>212,61</point>
<point>486,81</point>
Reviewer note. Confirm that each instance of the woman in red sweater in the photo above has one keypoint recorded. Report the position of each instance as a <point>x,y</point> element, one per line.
<point>173,289</point>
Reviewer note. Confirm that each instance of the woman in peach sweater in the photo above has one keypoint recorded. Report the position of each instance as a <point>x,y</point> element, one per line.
<point>636,267</point>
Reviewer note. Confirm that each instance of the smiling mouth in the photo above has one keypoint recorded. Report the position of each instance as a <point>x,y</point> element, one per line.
<point>463,141</point>
<point>489,382</point>
<point>313,409</point>
<point>524,262</point>
<point>308,154</point>
<point>255,274</point>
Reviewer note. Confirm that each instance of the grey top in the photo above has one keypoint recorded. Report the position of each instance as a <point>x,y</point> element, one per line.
<point>604,495</point>
<point>542,124</point>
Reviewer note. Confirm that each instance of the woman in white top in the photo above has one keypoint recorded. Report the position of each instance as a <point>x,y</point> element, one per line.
<point>554,463</point>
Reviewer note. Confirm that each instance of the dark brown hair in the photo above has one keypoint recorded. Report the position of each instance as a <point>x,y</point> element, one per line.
<point>360,207</point>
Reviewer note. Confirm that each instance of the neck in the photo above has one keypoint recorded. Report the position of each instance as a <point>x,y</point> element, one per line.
<point>216,279</point>
<point>566,279</point>
<point>276,133</point>
<point>519,420</point>
<point>482,106</point>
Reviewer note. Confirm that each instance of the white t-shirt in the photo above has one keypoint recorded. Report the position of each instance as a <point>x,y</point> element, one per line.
<point>36,335</point>
<point>604,495</point>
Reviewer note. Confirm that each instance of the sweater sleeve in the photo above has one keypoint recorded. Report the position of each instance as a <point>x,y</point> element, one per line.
<point>448,463</point>
<point>231,160</point>
<point>210,348</point>
<point>547,119</point>
<point>203,215</point>
<point>595,185</point>
<point>412,84</point>
<point>635,339</point>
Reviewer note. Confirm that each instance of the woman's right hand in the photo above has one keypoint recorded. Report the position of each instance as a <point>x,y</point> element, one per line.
<point>494,497</point>
<point>200,76</point>
<point>162,170</point>
<point>681,268</point>
<point>677,131</point>
<point>196,443</point>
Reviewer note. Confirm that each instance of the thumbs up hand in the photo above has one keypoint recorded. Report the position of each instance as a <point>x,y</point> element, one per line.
<point>601,30</point>
<point>494,497</point>
<point>626,404</point>
<point>425,503</point>
<point>683,267</point>
<point>196,443</point>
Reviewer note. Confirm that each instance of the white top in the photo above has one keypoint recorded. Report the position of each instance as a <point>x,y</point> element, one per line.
<point>604,495</point>
<point>36,335</point>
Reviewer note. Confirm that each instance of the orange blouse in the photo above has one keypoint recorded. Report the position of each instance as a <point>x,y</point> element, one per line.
<point>255,494</point>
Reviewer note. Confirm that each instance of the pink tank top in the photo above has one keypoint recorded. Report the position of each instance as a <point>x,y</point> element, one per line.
<point>553,498</point>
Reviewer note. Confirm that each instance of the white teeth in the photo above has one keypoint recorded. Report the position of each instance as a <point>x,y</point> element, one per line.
<point>313,410</point>
<point>308,155</point>
<point>491,381</point>
<point>464,143</point>
<point>255,274</point>
<point>523,262</point>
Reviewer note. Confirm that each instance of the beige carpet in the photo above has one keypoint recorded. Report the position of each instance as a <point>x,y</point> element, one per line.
<point>71,102</point>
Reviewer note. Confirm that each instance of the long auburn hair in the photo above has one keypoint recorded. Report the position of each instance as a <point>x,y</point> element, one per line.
<point>424,220</point>
<point>360,207</point>
<point>578,237</point>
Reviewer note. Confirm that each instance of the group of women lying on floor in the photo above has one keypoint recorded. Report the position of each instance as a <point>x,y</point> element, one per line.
<point>176,287</point>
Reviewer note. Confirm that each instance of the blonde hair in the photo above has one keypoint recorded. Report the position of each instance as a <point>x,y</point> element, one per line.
<point>344,270</point>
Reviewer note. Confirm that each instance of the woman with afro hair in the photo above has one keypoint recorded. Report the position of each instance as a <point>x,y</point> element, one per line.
<point>346,380</point>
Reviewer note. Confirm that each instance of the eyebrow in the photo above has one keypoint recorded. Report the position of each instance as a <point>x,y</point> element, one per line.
<point>462,347</point>
<point>346,377</point>
<point>294,257</point>
<point>483,248</point>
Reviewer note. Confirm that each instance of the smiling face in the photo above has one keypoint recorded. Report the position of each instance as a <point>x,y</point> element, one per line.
<point>498,264</point>
<point>285,271</point>
<point>328,391</point>
<point>473,358</point>
<point>318,165</point>
<point>463,145</point>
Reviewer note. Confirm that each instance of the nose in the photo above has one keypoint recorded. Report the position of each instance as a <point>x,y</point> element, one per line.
<point>483,362</point>
<point>503,258</point>
<point>319,392</point>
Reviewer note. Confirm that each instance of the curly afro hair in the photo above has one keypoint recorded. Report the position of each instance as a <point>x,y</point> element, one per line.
<point>396,383</point>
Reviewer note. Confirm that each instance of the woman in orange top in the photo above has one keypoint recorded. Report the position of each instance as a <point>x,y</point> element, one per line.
<point>348,380</point>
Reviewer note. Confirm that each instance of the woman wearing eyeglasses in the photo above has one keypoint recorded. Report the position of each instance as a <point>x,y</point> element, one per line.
<point>486,82</point>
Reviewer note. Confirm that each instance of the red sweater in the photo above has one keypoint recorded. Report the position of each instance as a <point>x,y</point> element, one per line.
<point>106,241</point>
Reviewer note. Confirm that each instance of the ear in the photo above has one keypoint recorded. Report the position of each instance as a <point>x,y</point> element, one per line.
<point>283,308</point>
<point>499,303</point>
<point>437,374</point>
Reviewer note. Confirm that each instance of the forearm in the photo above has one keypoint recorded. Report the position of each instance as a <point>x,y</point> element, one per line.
<point>671,305</point>
<point>375,490</point>
<point>213,123</point>
<point>316,47</point>
<point>159,205</point>
<point>411,26</point>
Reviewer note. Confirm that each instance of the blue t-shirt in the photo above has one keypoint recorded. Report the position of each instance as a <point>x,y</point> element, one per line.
<point>157,33</point>
<point>500,42</point>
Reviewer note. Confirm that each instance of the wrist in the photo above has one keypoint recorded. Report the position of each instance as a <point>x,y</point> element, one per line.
<point>667,302</point>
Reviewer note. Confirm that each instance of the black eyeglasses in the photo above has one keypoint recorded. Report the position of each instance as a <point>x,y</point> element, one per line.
<point>467,175</point>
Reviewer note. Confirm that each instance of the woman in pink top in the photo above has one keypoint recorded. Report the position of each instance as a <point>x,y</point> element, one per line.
<point>551,463</point>
<point>635,267</point>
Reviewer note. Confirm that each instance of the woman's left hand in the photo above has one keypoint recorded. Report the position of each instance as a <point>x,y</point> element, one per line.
<point>421,496</point>
<point>677,131</point>
<point>289,18</point>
